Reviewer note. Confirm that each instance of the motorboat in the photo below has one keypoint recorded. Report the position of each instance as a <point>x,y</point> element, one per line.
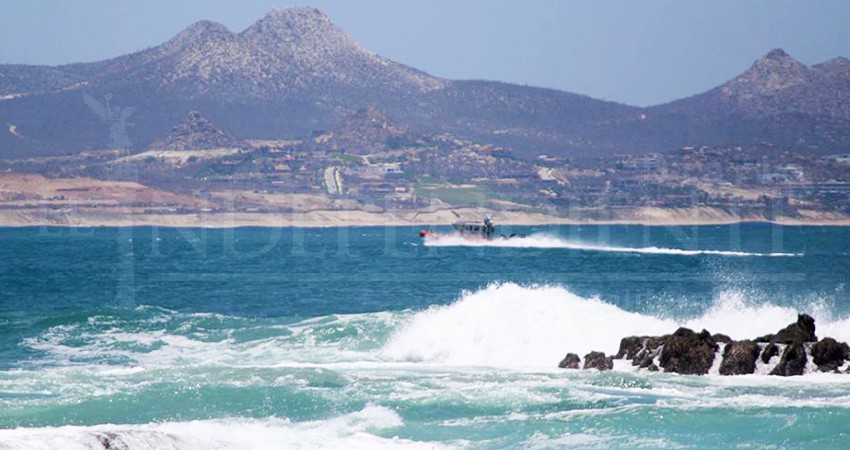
<point>484,230</point>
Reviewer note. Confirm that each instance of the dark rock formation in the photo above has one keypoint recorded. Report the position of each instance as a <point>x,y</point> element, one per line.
<point>793,361</point>
<point>721,338</point>
<point>739,358</point>
<point>830,354</point>
<point>630,346</point>
<point>571,361</point>
<point>769,351</point>
<point>642,350</point>
<point>801,331</point>
<point>598,360</point>
<point>688,353</point>
<point>651,350</point>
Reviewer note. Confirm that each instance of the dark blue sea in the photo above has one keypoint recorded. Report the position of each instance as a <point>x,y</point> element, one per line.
<point>252,338</point>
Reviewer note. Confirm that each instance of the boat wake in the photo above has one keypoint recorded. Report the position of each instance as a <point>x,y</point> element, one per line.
<point>548,241</point>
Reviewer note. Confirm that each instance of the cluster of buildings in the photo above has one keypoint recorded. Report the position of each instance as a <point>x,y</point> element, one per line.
<point>394,171</point>
<point>732,178</point>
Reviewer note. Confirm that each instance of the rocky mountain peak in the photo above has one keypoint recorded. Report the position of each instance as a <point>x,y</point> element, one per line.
<point>196,133</point>
<point>777,54</point>
<point>199,32</point>
<point>297,14</point>
<point>287,26</point>
<point>840,66</point>
<point>777,60</point>
<point>295,48</point>
<point>776,87</point>
<point>773,72</point>
<point>842,61</point>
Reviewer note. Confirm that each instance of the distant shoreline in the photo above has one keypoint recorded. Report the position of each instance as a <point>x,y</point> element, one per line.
<point>356,218</point>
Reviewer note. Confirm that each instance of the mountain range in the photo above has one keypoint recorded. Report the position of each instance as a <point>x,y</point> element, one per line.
<point>294,73</point>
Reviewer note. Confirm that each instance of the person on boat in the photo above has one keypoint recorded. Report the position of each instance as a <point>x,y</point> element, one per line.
<point>489,228</point>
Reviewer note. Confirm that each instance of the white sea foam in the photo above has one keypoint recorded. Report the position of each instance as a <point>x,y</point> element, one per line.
<point>508,325</point>
<point>362,429</point>
<point>541,240</point>
<point>540,441</point>
<point>329,339</point>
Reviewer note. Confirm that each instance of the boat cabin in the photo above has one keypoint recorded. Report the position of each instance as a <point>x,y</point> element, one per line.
<point>481,230</point>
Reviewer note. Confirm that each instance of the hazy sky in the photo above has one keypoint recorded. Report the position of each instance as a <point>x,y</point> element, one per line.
<point>637,52</point>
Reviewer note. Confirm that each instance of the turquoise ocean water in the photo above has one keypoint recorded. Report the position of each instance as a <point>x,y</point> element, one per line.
<point>149,338</point>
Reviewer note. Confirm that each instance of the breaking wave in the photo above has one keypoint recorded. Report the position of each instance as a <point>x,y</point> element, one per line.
<point>503,325</point>
<point>508,325</point>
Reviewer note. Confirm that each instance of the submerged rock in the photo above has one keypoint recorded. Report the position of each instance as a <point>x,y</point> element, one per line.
<point>739,358</point>
<point>598,360</point>
<point>793,361</point>
<point>829,354</point>
<point>688,353</point>
<point>111,441</point>
<point>571,361</point>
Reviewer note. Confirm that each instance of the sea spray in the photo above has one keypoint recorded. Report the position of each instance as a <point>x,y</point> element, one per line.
<point>509,325</point>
